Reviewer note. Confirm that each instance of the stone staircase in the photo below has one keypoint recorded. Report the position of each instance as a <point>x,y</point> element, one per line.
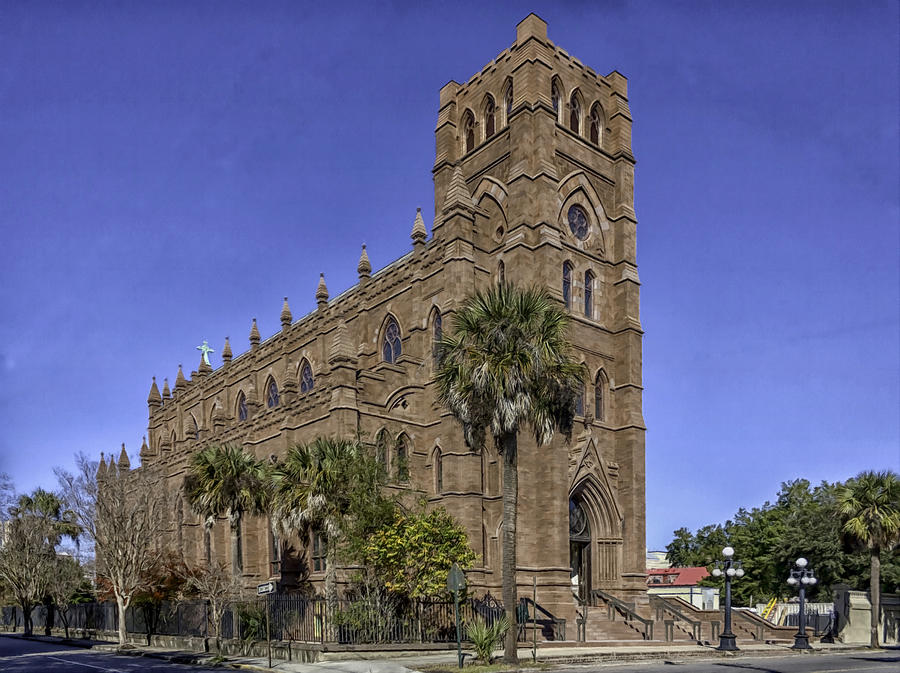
<point>609,619</point>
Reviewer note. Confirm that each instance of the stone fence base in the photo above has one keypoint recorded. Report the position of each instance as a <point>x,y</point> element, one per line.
<point>854,617</point>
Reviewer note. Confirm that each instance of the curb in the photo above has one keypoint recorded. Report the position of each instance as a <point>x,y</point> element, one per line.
<point>664,656</point>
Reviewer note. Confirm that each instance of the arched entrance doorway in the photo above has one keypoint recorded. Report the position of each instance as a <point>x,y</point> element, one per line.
<point>580,549</point>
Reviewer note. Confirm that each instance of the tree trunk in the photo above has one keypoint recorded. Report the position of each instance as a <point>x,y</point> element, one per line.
<point>235,520</point>
<point>26,618</point>
<point>49,619</point>
<point>875,592</point>
<point>120,604</point>
<point>207,545</point>
<point>330,587</point>
<point>509,446</point>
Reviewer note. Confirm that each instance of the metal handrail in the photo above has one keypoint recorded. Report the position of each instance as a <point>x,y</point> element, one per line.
<point>558,624</point>
<point>662,605</point>
<point>625,610</point>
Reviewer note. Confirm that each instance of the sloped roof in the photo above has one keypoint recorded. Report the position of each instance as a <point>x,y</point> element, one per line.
<point>683,577</point>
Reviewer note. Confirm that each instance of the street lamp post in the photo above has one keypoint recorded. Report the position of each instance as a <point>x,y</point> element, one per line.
<point>801,576</point>
<point>730,568</point>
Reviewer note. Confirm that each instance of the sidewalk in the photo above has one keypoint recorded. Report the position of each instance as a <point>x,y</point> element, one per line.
<point>404,662</point>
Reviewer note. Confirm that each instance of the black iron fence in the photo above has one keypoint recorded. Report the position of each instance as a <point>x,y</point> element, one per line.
<point>819,619</point>
<point>291,618</point>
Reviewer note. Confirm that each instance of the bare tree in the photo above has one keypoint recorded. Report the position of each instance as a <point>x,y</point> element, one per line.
<point>217,585</point>
<point>128,521</point>
<point>121,513</point>
<point>79,492</point>
<point>26,562</point>
<point>63,584</point>
<point>7,495</point>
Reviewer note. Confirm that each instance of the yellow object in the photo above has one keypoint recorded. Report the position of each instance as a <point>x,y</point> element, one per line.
<point>769,607</point>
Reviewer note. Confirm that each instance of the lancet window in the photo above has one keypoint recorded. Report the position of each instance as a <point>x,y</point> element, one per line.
<point>555,98</point>
<point>438,464</point>
<point>469,131</point>
<point>401,460</point>
<point>306,378</point>
<point>588,294</point>
<point>575,113</point>
<point>596,129</point>
<point>490,115</point>
<point>272,397</point>
<point>437,333</point>
<point>567,284</point>
<point>242,407</point>
<point>508,101</point>
<point>599,397</point>
<point>391,347</point>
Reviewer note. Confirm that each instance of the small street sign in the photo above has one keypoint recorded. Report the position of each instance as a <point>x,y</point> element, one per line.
<point>265,588</point>
<point>456,582</point>
<point>456,579</point>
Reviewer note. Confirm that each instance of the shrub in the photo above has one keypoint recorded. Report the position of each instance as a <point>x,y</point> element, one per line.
<point>486,637</point>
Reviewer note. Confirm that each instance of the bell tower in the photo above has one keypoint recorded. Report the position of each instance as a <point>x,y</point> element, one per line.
<point>534,181</point>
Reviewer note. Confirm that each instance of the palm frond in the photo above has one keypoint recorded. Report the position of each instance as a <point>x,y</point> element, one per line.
<point>506,363</point>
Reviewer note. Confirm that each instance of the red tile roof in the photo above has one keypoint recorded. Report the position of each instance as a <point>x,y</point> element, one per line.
<point>677,577</point>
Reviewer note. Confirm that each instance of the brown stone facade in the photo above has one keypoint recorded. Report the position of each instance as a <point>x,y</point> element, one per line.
<point>533,180</point>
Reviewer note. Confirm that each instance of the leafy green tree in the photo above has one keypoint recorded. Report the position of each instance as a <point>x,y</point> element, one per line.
<point>227,481</point>
<point>412,555</point>
<point>506,364</point>
<point>802,521</point>
<point>45,510</point>
<point>681,552</point>
<point>316,488</point>
<point>870,510</point>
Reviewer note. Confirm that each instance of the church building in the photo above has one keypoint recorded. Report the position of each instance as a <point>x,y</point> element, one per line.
<point>533,183</point>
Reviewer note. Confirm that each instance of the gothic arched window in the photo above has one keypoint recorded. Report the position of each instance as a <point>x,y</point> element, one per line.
<point>555,98</point>
<point>242,407</point>
<point>469,131</point>
<point>306,378</point>
<point>599,406</point>
<point>588,294</point>
<point>390,344</point>
<point>437,333</point>
<point>489,117</point>
<point>508,101</point>
<point>501,272</point>
<point>196,428</point>
<point>567,284</point>
<point>596,125</point>
<point>575,113</point>
<point>401,460</point>
<point>438,463</point>
<point>381,448</point>
<point>579,401</point>
<point>272,394</point>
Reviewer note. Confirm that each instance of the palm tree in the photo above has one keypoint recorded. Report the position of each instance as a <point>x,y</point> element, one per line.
<point>870,509</point>
<point>313,492</point>
<point>505,364</point>
<point>44,510</point>
<point>227,481</point>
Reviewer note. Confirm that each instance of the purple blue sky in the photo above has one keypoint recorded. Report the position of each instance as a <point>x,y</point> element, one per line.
<point>169,170</point>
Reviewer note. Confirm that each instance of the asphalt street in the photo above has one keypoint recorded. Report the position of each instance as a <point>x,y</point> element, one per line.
<point>18,655</point>
<point>855,662</point>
